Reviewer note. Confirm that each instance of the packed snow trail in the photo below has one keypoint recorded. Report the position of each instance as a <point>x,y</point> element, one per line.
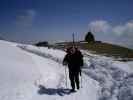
<point>115,78</point>
<point>51,84</point>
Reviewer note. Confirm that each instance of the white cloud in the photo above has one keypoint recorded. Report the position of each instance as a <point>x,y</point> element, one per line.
<point>126,29</point>
<point>100,26</point>
<point>119,30</point>
<point>129,28</point>
<point>122,34</point>
<point>31,13</point>
<point>25,18</point>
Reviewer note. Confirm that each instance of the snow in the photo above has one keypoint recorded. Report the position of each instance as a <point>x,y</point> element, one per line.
<point>15,74</point>
<point>36,73</point>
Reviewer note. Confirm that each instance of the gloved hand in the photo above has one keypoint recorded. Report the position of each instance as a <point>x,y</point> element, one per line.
<point>64,63</point>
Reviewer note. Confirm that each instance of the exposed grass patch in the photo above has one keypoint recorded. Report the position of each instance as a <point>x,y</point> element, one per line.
<point>104,49</point>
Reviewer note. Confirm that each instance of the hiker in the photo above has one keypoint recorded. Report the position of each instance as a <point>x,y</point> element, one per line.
<point>74,60</point>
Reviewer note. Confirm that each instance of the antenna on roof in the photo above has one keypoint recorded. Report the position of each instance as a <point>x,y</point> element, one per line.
<point>73,42</point>
<point>73,38</point>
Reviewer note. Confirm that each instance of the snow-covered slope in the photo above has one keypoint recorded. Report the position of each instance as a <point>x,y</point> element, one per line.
<point>32,73</point>
<point>17,72</point>
<point>115,78</point>
<point>26,76</point>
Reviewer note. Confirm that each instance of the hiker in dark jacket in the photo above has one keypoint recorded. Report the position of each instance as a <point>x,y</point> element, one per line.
<point>74,60</point>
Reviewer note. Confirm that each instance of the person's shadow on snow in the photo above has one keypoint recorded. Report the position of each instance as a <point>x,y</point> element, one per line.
<point>51,91</point>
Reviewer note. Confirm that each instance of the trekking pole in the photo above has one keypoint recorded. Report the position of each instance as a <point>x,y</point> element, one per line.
<point>66,75</point>
<point>81,80</point>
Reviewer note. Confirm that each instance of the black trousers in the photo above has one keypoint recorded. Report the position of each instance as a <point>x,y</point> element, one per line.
<point>74,78</point>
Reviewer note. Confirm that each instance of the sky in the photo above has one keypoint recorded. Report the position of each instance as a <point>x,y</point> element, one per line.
<point>29,21</point>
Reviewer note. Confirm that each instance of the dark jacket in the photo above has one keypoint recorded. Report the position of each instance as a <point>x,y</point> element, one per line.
<point>74,61</point>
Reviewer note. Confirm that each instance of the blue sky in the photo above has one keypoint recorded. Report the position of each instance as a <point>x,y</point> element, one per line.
<point>55,20</point>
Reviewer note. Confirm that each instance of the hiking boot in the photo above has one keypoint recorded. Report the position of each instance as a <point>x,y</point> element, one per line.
<point>78,87</point>
<point>72,90</point>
